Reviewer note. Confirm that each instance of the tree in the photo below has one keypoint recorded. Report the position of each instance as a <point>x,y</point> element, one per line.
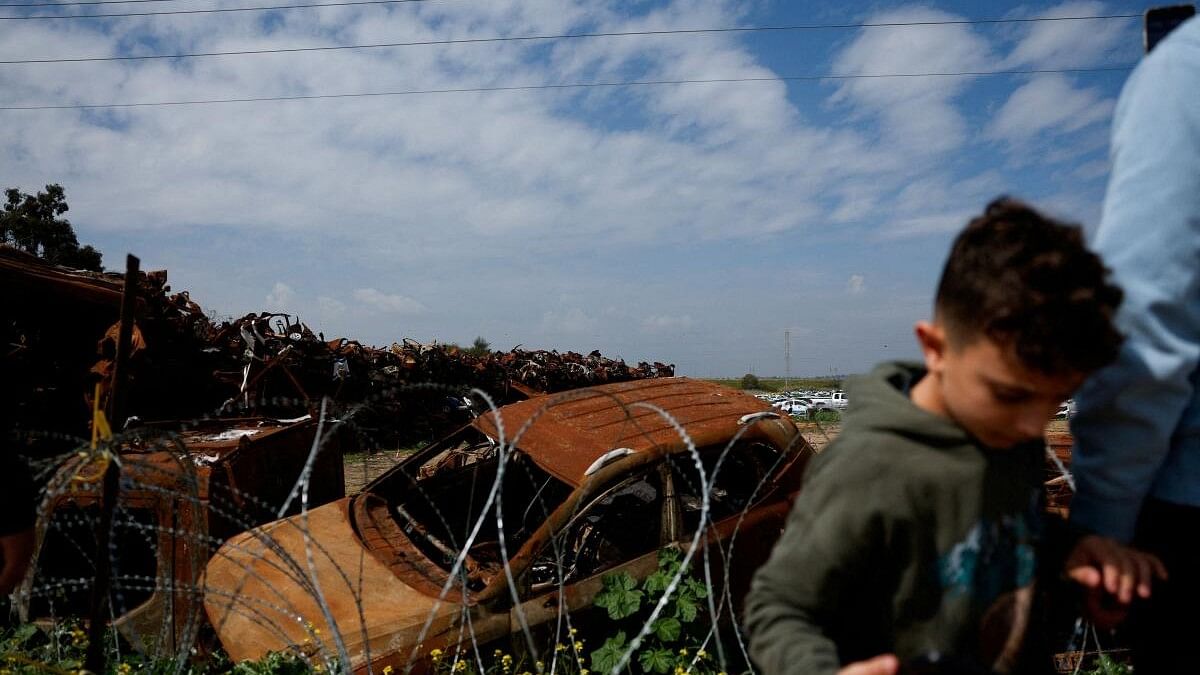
<point>479,347</point>
<point>750,381</point>
<point>32,224</point>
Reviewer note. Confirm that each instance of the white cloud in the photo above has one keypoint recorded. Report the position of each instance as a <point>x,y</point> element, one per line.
<point>917,114</point>
<point>1048,102</point>
<point>856,285</point>
<point>1073,44</point>
<point>663,323</point>
<point>1096,168</point>
<point>280,298</point>
<point>939,203</point>
<point>377,300</point>
<point>571,321</point>
<point>330,308</point>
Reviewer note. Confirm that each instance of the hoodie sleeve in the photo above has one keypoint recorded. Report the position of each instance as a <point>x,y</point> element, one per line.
<point>818,571</point>
<point>1150,235</point>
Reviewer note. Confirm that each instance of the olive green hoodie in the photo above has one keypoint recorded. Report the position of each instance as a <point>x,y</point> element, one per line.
<point>905,534</point>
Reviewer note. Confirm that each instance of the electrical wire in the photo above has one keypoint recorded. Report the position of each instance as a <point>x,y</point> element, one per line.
<point>217,10</point>
<point>577,85</point>
<point>343,3</point>
<point>81,2</point>
<point>516,38</point>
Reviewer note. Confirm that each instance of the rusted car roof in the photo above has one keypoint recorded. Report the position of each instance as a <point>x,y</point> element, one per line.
<point>569,432</point>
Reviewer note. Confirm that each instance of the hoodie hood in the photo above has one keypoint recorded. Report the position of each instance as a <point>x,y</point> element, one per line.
<point>880,401</point>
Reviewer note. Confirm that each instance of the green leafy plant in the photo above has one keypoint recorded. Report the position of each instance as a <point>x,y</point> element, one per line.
<point>1105,665</point>
<point>674,642</point>
<point>28,649</point>
<point>825,415</point>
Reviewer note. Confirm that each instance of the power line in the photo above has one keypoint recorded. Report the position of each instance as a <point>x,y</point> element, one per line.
<point>344,3</point>
<point>219,10</point>
<point>516,38</point>
<point>82,2</point>
<point>577,85</point>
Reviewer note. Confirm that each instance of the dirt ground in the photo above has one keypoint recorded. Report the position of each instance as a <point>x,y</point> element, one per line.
<point>819,434</point>
<point>361,469</point>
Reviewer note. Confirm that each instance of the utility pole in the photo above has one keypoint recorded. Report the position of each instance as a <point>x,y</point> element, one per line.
<point>787,360</point>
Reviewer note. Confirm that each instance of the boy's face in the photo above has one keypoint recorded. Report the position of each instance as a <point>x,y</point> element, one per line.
<point>985,388</point>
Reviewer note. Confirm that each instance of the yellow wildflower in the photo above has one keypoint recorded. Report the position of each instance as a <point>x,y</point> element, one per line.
<point>579,645</point>
<point>460,666</point>
<point>573,631</point>
<point>702,654</point>
<point>435,654</point>
<point>498,653</point>
<point>540,666</point>
<point>506,660</point>
<point>560,647</point>
<point>124,668</point>
<point>679,670</point>
<point>387,670</point>
<point>683,652</point>
<point>318,668</point>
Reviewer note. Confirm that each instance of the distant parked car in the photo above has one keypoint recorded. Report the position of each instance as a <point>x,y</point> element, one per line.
<point>796,407</point>
<point>594,482</point>
<point>834,401</point>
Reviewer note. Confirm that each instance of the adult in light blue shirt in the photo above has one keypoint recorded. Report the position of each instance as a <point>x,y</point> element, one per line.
<point>1137,429</point>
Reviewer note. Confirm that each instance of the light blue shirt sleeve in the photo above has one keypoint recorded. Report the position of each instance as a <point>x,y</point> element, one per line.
<point>1130,415</point>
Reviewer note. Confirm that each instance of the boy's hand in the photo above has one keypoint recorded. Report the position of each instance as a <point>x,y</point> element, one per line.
<point>1111,571</point>
<point>884,664</point>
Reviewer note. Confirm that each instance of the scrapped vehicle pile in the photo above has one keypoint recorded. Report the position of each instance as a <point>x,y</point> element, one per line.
<point>220,426</point>
<point>185,366</point>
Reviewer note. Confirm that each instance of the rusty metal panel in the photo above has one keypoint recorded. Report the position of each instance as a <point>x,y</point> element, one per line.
<point>196,487</point>
<point>567,433</point>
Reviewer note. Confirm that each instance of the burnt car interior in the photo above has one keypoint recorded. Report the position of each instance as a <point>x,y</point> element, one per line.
<point>438,507</point>
<point>743,469</point>
<point>620,522</point>
<point>638,514</point>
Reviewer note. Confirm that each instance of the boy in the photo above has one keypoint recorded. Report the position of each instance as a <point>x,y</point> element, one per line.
<point>913,539</point>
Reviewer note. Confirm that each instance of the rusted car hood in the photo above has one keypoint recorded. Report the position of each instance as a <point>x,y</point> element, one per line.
<point>261,601</point>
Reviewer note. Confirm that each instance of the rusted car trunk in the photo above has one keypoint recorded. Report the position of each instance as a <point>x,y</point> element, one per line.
<point>183,493</point>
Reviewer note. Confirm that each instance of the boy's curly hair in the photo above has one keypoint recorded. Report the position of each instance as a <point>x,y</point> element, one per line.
<point>1029,282</point>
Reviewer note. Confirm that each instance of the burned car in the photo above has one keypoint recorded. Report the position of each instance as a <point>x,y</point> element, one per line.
<point>559,489</point>
<point>183,488</point>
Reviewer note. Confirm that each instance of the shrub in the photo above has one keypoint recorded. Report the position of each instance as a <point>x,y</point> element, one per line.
<point>750,381</point>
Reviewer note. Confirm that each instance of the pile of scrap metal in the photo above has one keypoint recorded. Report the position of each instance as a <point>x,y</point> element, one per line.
<point>188,366</point>
<point>246,391</point>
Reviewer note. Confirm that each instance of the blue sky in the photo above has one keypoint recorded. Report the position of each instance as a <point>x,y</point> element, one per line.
<point>689,223</point>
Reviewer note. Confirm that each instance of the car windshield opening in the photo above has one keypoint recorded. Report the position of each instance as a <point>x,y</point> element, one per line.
<point>443,499</point>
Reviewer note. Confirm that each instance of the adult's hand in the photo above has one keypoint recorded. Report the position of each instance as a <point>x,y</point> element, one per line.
<point>884,664</point>
<point>1110,571</point>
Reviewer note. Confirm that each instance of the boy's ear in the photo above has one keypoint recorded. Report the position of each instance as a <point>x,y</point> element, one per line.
<point>931,336</point>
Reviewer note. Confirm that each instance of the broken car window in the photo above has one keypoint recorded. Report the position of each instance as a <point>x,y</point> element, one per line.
<point>744,467</point>
<point>619,524</point>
